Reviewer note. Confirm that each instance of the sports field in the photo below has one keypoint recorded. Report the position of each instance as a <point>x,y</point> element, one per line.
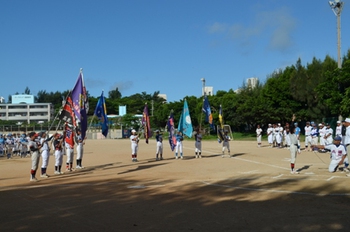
<point>251,191</point>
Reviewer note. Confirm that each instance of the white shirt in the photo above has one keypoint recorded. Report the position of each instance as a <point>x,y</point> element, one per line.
<point>329,131</point>
<point>270,131</point>
<point>337,152</point>
<point>258,131</point>
<point>338,130</point>
<point>347,136</point>
<point>307,130</point>
<point>322,132</point>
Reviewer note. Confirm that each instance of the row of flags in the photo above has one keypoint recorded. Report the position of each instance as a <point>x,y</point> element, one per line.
<point>75,108</point>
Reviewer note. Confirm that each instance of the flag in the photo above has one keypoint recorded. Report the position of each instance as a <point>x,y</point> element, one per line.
<point>69,139</point>
<point>101,113</point>
<point>185,123</point>
<point>80,103</point>
<point>219,131</point>
<point>171,130</point>
<point>146,123</point>
<point>67,113</point>
<point>220,117</point>
<point>207,111</point>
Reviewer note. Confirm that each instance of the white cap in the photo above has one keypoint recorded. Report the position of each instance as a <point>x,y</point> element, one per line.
<point>320,124</point>
<point>338,122</point>
<point>347,120</point>
<point>133,131</point>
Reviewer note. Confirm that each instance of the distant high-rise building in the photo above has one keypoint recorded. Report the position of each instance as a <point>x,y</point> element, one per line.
<point>252,82</point>
<point>209,90</point>
<point>162,95</point>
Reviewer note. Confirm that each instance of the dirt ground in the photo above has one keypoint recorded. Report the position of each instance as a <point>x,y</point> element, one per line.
<point>251,191</point>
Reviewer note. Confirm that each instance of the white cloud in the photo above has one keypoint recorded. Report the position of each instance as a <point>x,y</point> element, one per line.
<point>122,85</point>
<point>274,26</point>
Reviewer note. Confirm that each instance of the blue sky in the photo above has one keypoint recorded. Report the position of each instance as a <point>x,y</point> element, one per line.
<point>159,45</point>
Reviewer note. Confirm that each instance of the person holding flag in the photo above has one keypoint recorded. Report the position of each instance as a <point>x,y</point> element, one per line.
<point>80,149</point>
<point>184,128</point>
<point>159,139</point>
<point>101,113</point>
<point>198,143</point>
<point>178,148</point>
<point>69,144</point>
<point>171,130</point>
<point>134,139</point>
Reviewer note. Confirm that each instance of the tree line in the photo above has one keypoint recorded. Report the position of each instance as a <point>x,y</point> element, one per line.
<point>312,92</point>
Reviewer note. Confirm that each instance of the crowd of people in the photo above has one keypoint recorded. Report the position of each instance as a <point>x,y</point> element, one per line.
<point>36,145</point>
<point>318,138</point>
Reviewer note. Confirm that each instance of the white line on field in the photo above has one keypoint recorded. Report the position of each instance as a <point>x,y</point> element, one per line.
<point>277,176</point>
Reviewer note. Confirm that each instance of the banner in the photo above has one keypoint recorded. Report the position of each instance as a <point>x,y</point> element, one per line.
<point>101,113</point>
<point>185,123</point>
<point>207,111</point>
<point>80,103</point>
<point>146,123</point>
<point>69,139</point>
<point>171,130</point>
<point>67,113</point>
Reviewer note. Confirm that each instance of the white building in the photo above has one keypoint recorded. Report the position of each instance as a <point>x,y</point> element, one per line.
<point>23,112</point>
<point>252,82</point>
<point>209,90</point>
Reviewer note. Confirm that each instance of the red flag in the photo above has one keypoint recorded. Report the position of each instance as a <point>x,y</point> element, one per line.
<point>69,135</point>
<point>146,123</point>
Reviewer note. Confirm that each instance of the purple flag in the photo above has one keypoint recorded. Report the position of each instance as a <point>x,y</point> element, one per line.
<point>80,103</point>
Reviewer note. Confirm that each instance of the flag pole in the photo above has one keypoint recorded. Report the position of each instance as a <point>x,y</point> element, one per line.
<point>63,103</point>
<point>201,118</point>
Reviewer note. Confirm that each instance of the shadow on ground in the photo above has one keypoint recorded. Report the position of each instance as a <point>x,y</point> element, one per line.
<point>125,204</point>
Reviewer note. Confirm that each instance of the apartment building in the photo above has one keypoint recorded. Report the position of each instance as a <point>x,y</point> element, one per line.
<point>26,111</point>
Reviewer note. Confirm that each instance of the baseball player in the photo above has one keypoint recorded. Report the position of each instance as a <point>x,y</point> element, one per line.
<point>279,135</point>
<point>57,143</point>
<point>134,145</point>
<point>45,153</point>
<point>34,148</point>
<point>286,136</point>
<point>322,134</point>
<point>308,138</point>
<point>270,135</point>
<point>338,154</point>
<point>10,144</point>
<point>80,149</point>
<point>198,143</point>
<point>297,133</point>
<point>293,149</point>
<point>179,139</point>
<point>24,145</point>
<point>2,145</point>
<point>159,152</point>
<point>69,140</point>
<point>226,144</point>
<point>338,130</point>
<point>258,135</point>
<point>314,134</point>
<point>329,134</point>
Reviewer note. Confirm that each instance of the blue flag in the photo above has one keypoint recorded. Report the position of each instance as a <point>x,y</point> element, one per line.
<point>185,123</point>
<point>171,130</point>
<point>101,113</point>
<point>80,103</point>
<point>207,111</point>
